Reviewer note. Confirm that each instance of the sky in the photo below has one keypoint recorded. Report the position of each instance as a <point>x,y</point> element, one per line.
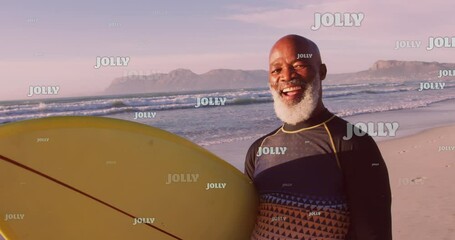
<point>57,42</point>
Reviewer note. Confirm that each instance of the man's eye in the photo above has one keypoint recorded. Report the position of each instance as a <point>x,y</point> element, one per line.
<point>275,71</point>
<point>299,66</point>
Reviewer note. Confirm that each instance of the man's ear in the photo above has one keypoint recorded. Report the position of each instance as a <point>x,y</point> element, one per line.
<point>322,71</point>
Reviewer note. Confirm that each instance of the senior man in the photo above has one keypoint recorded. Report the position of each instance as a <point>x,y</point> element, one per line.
<point>312,183</point>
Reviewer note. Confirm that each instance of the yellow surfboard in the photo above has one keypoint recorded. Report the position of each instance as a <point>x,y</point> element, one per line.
<point>101,178</point>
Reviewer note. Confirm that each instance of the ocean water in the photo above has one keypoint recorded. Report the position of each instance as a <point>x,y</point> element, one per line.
<point>247,113</point>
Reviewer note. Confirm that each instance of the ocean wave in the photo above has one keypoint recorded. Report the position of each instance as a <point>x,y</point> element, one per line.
<point>409,105</point>
<point>226,140</point>
<point>118,104</point>
<point>110,105</point>
<point>366,91</point>
<point>245,101</point>
<point>97,107</point>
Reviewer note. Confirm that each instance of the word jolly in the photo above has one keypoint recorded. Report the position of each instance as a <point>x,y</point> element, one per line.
<point>271,151</point>
<point>111,62</point>
<point>215,185</point>
<point>431,86</point>
<point>182,178</point>
<point>280,218</point>
<point>360,129</point>
<point>304,55</point>
<point>337,20</point>
<point>144,115</point>
<point>211,101</point>
<point>408,44</point>
<point>9,217</point>
<point>43,90</point>
<point>143,221</point>
<point>440,42</point>
<point>446,73</point>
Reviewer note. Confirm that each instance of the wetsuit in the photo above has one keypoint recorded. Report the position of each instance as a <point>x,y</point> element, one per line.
<point>313,184</point>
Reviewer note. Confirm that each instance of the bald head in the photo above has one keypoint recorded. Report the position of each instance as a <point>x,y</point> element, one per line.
<point>294,56</point>
<point>296,44</point>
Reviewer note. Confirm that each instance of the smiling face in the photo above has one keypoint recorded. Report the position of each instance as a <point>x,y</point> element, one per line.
<point>295,75</point>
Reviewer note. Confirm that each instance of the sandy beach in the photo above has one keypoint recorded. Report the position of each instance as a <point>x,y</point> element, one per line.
<point>422,174</point>
<point>421,164</point>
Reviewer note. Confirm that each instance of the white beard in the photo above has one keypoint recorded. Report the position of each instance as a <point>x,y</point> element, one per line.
<point>301,111</point>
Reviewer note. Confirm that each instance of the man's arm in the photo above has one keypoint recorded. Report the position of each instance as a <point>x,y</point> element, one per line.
<point>250,159</point>
<point>367,187</point>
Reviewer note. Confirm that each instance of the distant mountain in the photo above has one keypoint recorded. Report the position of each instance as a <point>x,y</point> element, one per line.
<point>186,80</point>
<point>393,71</point>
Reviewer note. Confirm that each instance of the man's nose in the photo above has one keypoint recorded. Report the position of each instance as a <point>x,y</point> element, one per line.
<point>287,74</point>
